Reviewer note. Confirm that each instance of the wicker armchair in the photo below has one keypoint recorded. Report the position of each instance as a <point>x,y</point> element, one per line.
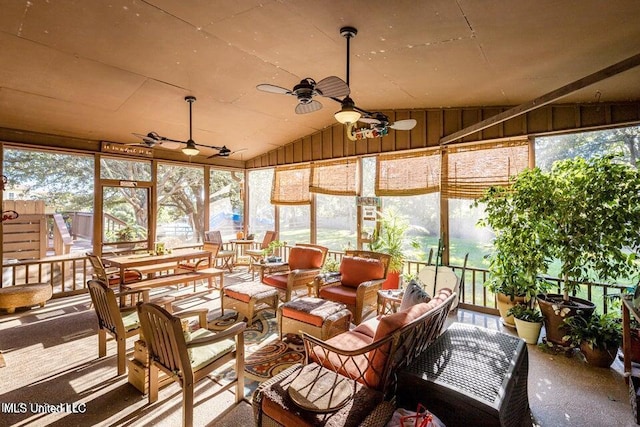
<point>304,264</point>
<point>361,276</point>
<point>188,357</point>
<point>374,351</point>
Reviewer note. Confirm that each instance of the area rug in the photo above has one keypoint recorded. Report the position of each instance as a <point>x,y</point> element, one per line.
<point>265,353</point>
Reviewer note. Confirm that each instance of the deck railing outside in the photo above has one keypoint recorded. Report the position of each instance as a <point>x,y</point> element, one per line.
<point>69,275</point>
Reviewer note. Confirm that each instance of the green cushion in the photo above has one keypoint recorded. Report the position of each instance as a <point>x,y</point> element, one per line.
<point>204,355</point>
<point>130,320</point>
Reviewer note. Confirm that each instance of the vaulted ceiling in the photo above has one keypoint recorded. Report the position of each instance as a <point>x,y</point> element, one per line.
<point>101,70</point>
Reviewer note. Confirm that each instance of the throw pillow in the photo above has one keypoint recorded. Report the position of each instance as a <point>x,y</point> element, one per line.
<point>413,294</point>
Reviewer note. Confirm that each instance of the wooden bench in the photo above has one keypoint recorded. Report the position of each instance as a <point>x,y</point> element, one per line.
<point>180,279</point>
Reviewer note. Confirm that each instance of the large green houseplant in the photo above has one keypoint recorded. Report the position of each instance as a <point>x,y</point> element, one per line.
<point>584,213</point>
<point>389,238</point>
<point>597,336</point>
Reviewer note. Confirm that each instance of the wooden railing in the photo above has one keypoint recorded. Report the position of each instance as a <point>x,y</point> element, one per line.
<point>69,275</point>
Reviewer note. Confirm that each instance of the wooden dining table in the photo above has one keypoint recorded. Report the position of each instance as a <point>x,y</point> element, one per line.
<point>132,261</point>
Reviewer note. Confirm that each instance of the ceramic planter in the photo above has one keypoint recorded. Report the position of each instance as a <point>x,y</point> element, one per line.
<point>554,312</point>
<point>528,331</point>
<point>504,303</point>
<point>601,358</point>
<point>392,282</point>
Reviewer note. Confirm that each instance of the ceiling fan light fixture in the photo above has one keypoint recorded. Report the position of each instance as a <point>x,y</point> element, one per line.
<point>191,149</point>
<point>347,114</point>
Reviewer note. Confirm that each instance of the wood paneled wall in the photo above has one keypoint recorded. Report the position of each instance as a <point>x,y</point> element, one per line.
<point>433,124</point>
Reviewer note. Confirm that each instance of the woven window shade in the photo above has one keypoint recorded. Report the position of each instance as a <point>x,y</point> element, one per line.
<point>336,177</point>
<point>408,174</point>
<point>470,169</point>
<point>291,185</point>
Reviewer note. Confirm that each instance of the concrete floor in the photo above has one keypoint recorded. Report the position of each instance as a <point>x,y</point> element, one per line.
<point>51,357</point>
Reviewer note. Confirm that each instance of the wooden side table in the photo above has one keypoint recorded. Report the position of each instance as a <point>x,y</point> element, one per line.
<point>389,300</point>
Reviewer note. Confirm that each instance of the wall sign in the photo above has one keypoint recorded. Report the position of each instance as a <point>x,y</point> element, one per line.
<point>132,150</point>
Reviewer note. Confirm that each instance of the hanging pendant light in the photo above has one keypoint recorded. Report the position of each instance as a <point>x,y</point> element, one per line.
<point>190,149</point>
<point>347,114</point>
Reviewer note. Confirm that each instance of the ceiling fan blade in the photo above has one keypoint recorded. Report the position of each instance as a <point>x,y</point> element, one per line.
<point>265,87</point>
<point>171,145</point>
<point>308,108</point>
<point>369,120</point>
<point>333,86</point>
<point>404,124</point>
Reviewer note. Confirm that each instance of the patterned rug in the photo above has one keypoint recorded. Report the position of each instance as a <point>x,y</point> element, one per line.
<point>265,354</point>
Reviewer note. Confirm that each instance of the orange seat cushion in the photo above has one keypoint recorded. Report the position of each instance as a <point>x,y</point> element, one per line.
<point>356,270</point>
<point>276,280</point>
<point>303,258</point>
<point>129,277</point>
<point>355,367</point>
<point>343,294</point>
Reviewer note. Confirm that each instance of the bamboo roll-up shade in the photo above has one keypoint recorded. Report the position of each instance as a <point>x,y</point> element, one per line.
<point>468,170</point>
<point>335,177</point>
<point>408,174</point>
<point>291,185</point>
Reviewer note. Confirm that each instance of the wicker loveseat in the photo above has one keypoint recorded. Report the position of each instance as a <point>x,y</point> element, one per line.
<point>377,348</point>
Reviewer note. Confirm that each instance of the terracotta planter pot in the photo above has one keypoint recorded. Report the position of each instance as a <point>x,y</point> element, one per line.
<point>528,331</point>
<point>392,282</point>
<point>598,357</point>
<point>504,303</point>
<point>555,311</point>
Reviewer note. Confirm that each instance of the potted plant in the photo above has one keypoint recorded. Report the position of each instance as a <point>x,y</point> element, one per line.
<point>269,253</point>
<point>584,213</point>
<point>597,336</point>
<point>528,322</point>
<point>389,239</point>
<point>510,284</point>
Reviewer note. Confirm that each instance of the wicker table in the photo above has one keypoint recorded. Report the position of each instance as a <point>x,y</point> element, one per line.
<point>470,376</point>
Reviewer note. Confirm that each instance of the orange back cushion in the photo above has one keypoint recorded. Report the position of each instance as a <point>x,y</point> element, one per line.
<point>304,258</point>
<point>356,270</point>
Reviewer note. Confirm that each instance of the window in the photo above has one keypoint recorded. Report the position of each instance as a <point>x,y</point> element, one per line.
<point>336,221</point>
<point>180,192</point>
<point>295,223</point>
<point>261,211</point>
<point>226,204</point>
<point>54,186</point>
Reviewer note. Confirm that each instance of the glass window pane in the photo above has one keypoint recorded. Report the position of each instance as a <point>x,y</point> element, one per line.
<point>125,218</point>
<point>180,205</point>
<point>226,203</point>
<point>261,211</point>
<point>54,186</point>
<point>294,224</point>
<point>128,170</point>
<point>466,236</point>
<point>336,221</point>
<point>423,213</point>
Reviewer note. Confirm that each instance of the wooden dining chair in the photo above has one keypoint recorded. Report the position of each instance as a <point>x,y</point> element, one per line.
<point>224,257</point>
<point>119,322</point>
<point>111,276</point>
<point>256,254</point>
<point>189,356</point>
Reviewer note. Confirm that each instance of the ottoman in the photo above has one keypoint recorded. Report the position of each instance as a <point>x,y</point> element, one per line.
<point>24,296</point>
<point>248,298</point>
<point>274,407</point>
<point>470,376</point>
<point>318,317</point>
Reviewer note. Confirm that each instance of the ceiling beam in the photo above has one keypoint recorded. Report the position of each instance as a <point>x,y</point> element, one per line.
<point>543,100</point>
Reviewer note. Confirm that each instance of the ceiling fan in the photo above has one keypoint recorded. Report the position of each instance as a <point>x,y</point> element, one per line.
<point>350,114</point>
<point>225,152</point>
<point>190,146</point>
<point>330,87</point>
<point>379,126</point>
